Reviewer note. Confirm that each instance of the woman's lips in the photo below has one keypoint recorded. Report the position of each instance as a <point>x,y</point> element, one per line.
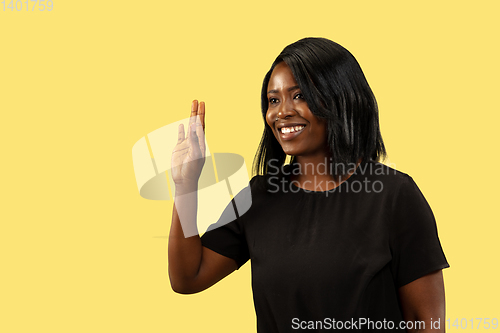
<point>289,132</point>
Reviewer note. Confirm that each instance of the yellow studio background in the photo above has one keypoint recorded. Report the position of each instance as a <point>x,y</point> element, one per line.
<point>81,251</point>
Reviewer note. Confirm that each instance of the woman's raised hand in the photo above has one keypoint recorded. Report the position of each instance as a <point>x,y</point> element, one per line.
<point>192,267</point>
<point>188,156</point>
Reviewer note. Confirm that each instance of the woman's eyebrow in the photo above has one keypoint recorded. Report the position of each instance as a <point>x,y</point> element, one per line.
<point>276,91</point>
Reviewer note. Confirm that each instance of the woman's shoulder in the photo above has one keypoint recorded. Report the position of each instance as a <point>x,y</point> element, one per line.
<point>388,172</point>
<point>258,183</point>
<point>385,176</point>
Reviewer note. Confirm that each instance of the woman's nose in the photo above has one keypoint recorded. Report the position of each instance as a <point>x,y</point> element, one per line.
<point>286,110</point>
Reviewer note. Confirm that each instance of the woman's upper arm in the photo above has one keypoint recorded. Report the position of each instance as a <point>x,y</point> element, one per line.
<point>423,300</point>
<point>213,268</point>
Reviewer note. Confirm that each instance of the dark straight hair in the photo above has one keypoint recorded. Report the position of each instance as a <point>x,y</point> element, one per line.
<point>335,89</point>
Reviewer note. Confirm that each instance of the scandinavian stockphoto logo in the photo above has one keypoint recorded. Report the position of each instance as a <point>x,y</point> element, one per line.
<point>223,176</point>
<point>279,177</point>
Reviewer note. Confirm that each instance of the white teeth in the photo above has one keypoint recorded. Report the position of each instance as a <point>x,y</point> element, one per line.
<point>292,129</point>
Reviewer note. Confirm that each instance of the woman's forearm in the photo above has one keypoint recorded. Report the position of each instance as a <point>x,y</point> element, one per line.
<point>184,254</point>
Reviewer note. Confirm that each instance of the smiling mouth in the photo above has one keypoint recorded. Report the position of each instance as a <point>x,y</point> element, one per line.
<point>291,129</point>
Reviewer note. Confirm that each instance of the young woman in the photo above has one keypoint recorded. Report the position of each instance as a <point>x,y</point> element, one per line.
<point>336,239</point>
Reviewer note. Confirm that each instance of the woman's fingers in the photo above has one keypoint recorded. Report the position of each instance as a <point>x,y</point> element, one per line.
<point>194,108</point>
<point>197,110</point>
<point>201,113</point>
<point>194,142</point>
<point>196,130</point>
<point>192,117</point>
<point>200,133</point>
<point>188,156</point>
<point>180,134</point>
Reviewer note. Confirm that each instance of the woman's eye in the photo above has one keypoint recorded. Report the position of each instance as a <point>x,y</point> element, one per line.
<point>273,100</point>
<point>299,96</point>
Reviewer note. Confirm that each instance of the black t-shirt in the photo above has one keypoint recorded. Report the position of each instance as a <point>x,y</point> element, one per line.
<point>334,255</point>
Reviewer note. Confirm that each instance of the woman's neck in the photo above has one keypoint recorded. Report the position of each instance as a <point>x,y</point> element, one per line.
<point>321,173</point>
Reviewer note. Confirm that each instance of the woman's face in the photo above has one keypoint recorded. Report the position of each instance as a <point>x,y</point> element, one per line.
<point>299,132</point>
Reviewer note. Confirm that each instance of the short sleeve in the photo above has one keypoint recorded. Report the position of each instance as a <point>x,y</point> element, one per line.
<point>228,239</point>
<point>415,245</point>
